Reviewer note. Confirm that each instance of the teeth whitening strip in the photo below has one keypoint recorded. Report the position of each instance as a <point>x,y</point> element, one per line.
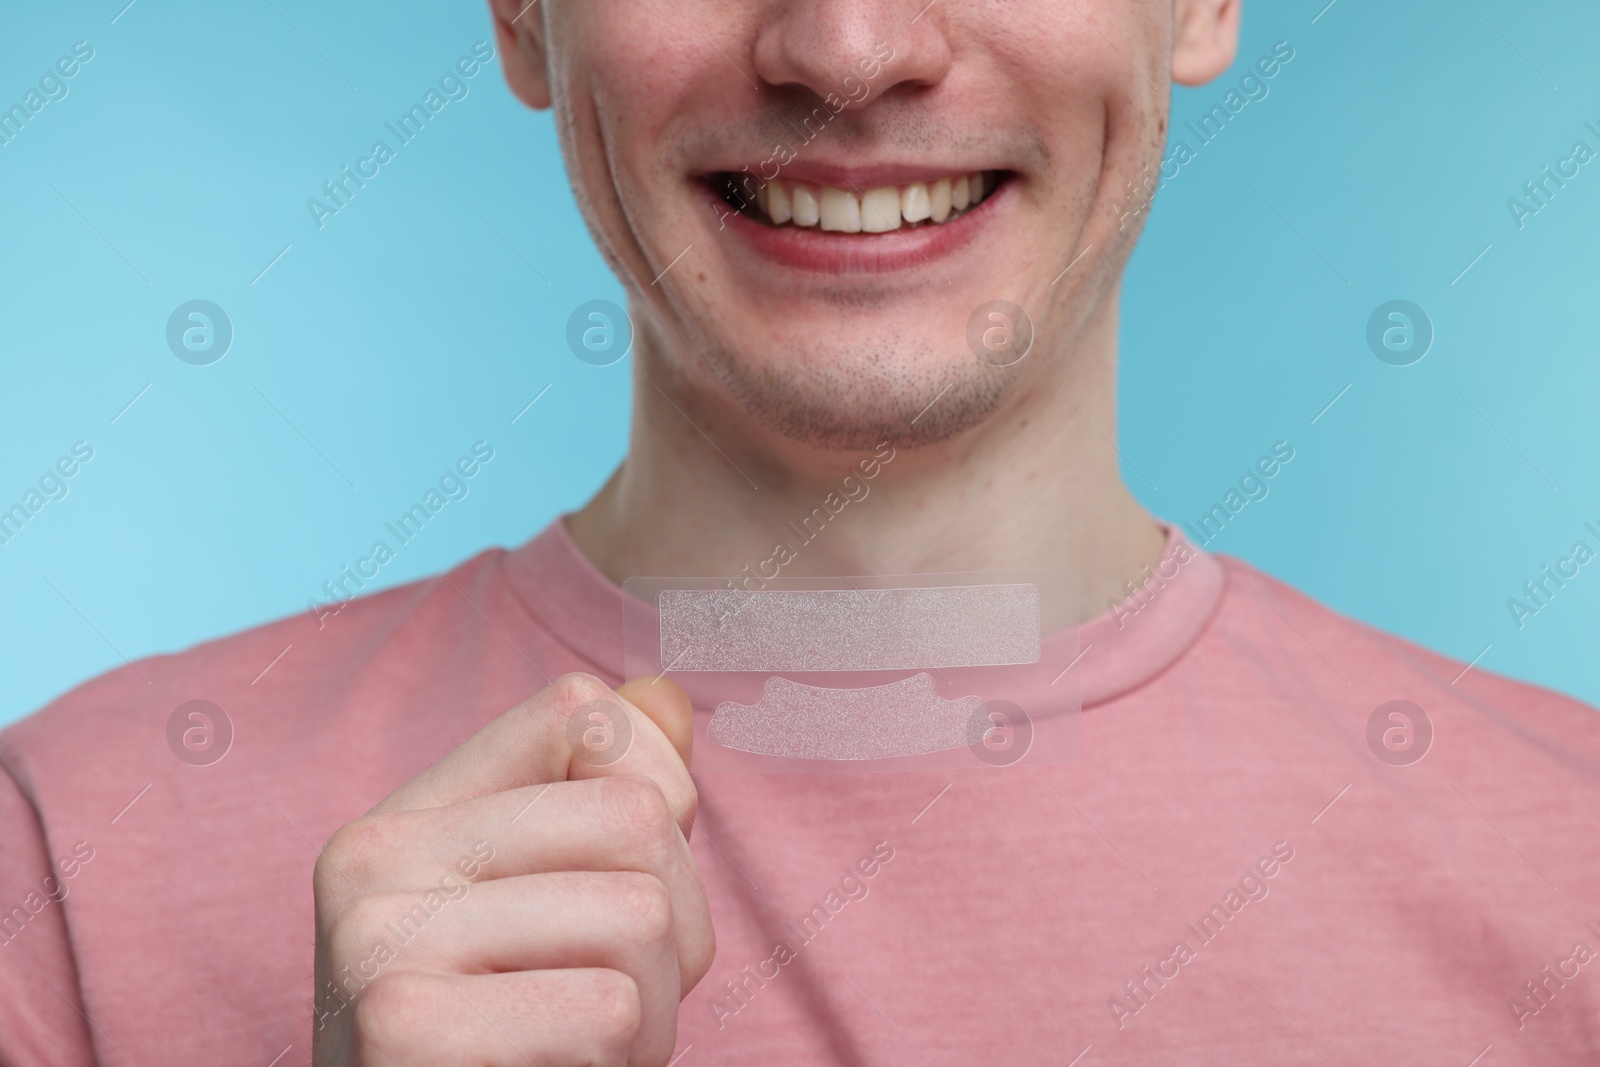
<point>872,673</point>
<point>798,721</point>
<point>849,629</point>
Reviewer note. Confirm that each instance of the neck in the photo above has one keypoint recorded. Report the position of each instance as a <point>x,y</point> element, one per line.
<point>705,492</point>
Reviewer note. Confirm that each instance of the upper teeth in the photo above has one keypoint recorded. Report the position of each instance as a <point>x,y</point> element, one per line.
<point>878,210</point>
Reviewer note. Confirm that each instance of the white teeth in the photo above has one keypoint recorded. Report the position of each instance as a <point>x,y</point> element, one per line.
<point>878,210</point>
<point>939,200</point>
<point>778,207</point>
<point>804,205</point>
<point>914,206</point>
<point>841,211</point>
<point>958,193</point>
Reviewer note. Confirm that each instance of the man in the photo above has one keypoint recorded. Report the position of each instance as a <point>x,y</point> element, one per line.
<point>810,203</point>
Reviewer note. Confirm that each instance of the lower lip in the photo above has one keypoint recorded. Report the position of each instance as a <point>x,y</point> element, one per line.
<point>810,248</point>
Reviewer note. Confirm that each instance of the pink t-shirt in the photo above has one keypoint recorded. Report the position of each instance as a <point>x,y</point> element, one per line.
<point>1229,873</point>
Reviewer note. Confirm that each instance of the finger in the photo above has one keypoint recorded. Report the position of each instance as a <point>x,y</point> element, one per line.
<point>576,727</point>
<point>668,706</point>
<point>571,919</point>
<point>610,824</point>
<point>561,1018</point>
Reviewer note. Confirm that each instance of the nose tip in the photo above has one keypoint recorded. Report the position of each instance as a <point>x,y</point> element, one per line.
<point>856,50</point>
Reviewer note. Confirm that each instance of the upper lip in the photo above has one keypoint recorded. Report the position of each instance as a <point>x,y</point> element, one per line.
<point>846,176</point>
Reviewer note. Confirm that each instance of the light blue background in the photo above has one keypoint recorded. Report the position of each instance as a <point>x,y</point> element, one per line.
<point>412,325</point>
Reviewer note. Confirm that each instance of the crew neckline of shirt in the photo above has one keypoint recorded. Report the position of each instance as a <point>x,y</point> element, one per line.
<point>1117,651</point>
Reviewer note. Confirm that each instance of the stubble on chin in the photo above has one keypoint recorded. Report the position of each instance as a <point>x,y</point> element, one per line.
<point>854,401</point>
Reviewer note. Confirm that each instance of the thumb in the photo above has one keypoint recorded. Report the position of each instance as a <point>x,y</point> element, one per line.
<point>666,704</point>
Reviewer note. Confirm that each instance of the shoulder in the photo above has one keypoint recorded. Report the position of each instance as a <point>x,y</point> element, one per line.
<point>1360,667</point>
<point>126,711</point>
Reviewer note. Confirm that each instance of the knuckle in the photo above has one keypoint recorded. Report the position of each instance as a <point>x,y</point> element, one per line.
<point>609,1000</point>
<point>350,856</point>
<point>353,932</point>
<point>697,957</point>
<point>645,907</point>
<point>687,800</point>
<point>392,1014</point>
<point>576,689</point>
<point>635,813</point>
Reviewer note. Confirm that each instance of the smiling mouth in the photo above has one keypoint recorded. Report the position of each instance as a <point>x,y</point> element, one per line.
<point>807,205</point>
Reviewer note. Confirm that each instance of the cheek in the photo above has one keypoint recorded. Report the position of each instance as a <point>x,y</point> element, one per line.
<point>1101,125</point>
<point>639,70</point>
<point>1094,92</point>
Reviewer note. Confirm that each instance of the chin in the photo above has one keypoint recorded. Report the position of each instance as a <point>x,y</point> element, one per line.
<point>854,395</point>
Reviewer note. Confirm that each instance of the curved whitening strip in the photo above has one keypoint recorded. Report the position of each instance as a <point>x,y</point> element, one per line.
<point>904,718</point>
<point>915,628</point>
